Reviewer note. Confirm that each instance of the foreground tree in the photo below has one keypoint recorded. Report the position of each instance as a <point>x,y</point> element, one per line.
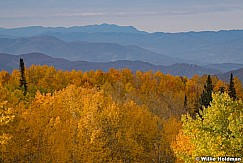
<point>220,134</point>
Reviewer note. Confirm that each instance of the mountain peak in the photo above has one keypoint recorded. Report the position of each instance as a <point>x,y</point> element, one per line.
<point>96,28</point>
<point>107,28</point>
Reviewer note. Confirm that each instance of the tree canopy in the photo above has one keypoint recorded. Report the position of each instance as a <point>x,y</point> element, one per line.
<point>114,116</point>
<point>220,134</point>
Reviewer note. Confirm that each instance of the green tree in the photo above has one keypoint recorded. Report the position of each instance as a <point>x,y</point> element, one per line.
<point>22,81</point>
<point>232,91</point>
<point>185,103</point>
<point>221,89</point>
<point>220,134</point>
<point>206,96</point>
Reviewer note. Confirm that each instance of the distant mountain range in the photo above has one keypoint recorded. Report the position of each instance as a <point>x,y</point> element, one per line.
<point>39,30</point>
<point>83,51</point>
<point>225,67</point>
<point>191,47</point>
<point>9,62</point>
<point>108,46</point>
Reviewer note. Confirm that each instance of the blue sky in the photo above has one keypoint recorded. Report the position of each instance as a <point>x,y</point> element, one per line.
<point>148,15</point>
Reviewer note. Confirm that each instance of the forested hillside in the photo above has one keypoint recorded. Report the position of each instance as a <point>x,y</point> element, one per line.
<point>114,116</point>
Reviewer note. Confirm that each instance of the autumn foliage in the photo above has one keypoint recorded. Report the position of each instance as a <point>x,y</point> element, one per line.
<point>219,134</point>
<point>96,116</point>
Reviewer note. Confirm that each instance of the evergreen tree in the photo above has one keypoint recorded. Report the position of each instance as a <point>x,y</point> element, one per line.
<point>185,103</point>
<point>221,89</point>
<point>232,91</point>
<point>22,81</point>
<point>196,105</point>
<point>206,96</point>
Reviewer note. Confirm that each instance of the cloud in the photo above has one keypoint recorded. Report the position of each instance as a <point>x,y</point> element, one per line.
<point>81,14</point>
<point>86,14</point>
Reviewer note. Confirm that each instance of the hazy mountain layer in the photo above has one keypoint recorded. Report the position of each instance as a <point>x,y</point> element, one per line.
<point>39,30</point>
<point>226,76</point>
<point>199,47</point>
<point>9,62</point>
<point>225,67</point>
<point>83,51</point>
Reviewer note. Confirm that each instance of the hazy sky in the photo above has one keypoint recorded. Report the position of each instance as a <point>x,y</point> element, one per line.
<point>148,15</point>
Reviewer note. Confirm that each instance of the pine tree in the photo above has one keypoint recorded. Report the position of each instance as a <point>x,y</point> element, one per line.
<point>222,89</point>
<point>22,81</point>
<point>196,105</point>
<point>206,96</point>
<point>185,103</point>
<point>232,91</point>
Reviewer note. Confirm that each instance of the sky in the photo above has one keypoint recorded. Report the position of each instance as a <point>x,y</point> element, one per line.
<point>146,15</point>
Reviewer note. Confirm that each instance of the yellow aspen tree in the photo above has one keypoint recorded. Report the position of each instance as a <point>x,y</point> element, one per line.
<point>219,134</point>
<point>171,129</point>
<point>6,118</point>
<point>238,88</point>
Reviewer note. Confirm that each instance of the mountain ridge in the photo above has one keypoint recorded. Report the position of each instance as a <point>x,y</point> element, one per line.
<point>237,73</point>
<point>38,30</point>
<point>9,62</point>
<point>225,67</point>
<point>86,51</point>
<point>201,48</point>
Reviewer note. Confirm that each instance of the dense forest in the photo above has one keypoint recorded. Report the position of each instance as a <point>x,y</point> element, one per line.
<point>50,115</point>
